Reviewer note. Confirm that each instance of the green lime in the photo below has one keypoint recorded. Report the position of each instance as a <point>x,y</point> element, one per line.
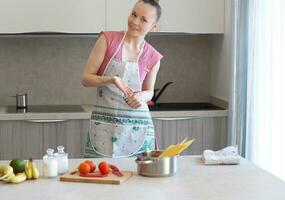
<point>18,165</point>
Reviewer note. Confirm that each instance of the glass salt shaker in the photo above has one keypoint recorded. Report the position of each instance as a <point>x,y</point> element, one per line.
<point>62,160</point>
<point>50,164</point>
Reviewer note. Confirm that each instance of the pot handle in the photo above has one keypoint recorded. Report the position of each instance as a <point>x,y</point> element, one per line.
<point>144,161</point>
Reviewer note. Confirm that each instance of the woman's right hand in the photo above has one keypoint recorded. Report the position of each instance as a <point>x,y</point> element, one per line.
<point>121,85</point>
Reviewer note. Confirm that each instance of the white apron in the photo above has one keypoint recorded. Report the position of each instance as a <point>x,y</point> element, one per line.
<point>116,129</point>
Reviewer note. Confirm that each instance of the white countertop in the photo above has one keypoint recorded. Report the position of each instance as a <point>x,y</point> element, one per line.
<point>88,109</point>
<point>192,181</point>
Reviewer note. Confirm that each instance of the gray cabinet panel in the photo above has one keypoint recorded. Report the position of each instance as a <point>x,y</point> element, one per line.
<point>191,128</point>
<point>6,140</point>
<point>209,133</point>
<point>31,139</point>
<point>214,133</point>
<point>19,140</point>
<point>28,139</point>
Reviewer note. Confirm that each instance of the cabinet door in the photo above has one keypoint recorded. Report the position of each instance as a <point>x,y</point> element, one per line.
<point>54,15</point>
<point>71,134</point>
<point>19,139</point>
<point>209,133</point>
<point>117,14</point>
<point>27,139</point>
<point>192,16</point>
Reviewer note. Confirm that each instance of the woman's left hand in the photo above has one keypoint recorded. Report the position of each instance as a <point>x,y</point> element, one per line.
<point>133,101</point>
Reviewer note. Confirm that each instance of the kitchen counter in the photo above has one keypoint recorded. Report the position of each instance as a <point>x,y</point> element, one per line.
<point>88,109</point>
<point>192,181</point>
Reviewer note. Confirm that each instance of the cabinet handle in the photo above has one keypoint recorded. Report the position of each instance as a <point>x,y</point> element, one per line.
<point>46,120</point>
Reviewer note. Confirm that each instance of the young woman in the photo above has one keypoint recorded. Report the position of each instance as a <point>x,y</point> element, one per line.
<point>123,67</point>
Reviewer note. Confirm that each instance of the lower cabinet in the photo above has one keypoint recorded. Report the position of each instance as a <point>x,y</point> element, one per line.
<point>25,139</point>
<point>31,138</point>
<point>209,133</point>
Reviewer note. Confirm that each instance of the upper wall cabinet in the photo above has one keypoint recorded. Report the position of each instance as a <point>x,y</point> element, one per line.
<point>192,16</point>
<point>93,16</point>
<point>71,16</point>
<point>117,14</point>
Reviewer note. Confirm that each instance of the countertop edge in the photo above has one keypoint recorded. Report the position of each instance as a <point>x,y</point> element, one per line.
<point>163,115</point>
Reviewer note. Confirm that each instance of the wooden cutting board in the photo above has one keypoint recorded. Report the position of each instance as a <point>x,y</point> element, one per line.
<point>110,179</point>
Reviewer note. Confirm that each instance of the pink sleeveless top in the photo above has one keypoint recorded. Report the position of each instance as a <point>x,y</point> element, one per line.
<point>149,57</point>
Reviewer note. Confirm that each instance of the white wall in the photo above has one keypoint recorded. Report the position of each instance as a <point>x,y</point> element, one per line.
<point>220,65</point>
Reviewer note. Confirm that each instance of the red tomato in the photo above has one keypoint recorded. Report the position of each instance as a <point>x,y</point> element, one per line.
<point>84,168</point>
<point>91,164</point>
<point>104,167</point>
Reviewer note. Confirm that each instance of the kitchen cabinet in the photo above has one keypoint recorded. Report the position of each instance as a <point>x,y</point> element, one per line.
<point>31,138</point>
<point>93,16</point>
<point>209,132</point>
<point>52,16</point>
<point>192,16</point>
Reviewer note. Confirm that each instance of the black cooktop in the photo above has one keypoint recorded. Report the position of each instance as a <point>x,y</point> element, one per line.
<point>46,109</point>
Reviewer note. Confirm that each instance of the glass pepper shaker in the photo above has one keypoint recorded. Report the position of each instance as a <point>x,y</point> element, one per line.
<point>50,164</point>
<point>62,160</point>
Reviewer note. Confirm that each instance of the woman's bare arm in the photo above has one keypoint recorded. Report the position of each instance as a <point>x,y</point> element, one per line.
<point>96,57</point>
<point>90,77</point>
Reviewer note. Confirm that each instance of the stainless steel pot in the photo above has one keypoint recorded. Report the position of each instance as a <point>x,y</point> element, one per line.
<point>22,101</point>
<point>148,164</point>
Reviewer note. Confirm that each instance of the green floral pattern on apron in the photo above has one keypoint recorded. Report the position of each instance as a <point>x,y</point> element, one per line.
<point>149,144</point>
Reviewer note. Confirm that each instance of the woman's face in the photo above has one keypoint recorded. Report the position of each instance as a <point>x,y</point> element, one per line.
<point>142,19</point>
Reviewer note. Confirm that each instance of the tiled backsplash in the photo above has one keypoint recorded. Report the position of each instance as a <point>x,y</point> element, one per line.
<point>49,68</point>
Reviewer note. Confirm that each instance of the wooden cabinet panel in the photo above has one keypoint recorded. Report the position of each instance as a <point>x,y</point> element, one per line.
<point>28,139</point>
<point>74,137</point>
<point>191,128</point>
<point>31,139</point>
<point>18,139</point>
<point>214,130</point>
<point>209,133</point>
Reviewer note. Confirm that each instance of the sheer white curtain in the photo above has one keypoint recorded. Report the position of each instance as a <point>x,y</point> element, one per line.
<point>239,66</point>
<point>265,119</point>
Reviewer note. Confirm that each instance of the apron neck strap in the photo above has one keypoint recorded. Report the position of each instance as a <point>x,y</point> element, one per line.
<point>141,51</point>
<point>119,46</point>
<point>115,52</point>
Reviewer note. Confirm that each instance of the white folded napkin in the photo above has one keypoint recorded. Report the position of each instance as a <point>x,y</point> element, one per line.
<point>225,156</point>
